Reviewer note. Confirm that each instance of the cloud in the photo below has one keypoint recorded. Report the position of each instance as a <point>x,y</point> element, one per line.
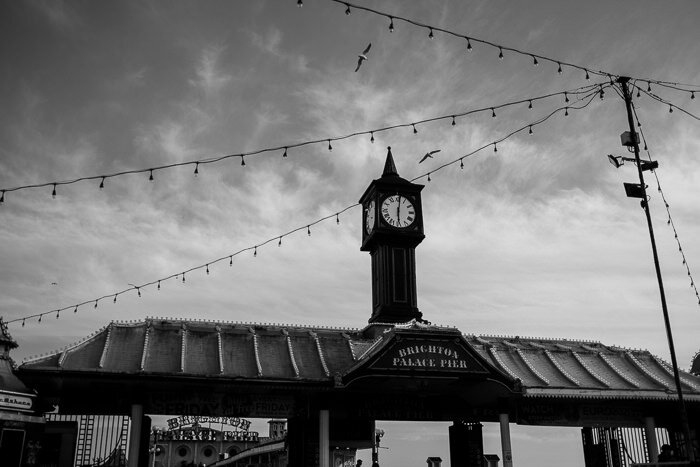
<point>136,77</point>
<point>270,43</point>
<point>59,13</point>
<point>210,78</point>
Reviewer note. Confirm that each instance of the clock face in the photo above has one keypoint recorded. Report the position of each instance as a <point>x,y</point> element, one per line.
<point>398,211</point>
<point>369,217</point>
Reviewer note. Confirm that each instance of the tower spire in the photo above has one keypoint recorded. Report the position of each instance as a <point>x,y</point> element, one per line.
<point>389,166</point>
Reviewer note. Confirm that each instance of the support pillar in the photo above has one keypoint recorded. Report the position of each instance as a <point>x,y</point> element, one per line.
<point>324,447</point>
<point>466,444</point>
<point>505,440</point>
<point>135,434</point>
<point>652,442</point>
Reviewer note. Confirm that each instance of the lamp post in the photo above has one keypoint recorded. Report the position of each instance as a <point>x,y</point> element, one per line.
<point>631,139</point>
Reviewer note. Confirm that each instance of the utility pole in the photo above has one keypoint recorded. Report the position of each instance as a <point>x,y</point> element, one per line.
<point>623,80</point>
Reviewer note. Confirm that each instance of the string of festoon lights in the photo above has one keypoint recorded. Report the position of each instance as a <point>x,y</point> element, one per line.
<point>534,57</point>
<point>670,221</point>
<point>413,125</point>
<point>577,104</point>
<point>660,99</point>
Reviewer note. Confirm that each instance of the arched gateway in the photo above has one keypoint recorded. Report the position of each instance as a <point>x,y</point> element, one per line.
<point>332,384</point>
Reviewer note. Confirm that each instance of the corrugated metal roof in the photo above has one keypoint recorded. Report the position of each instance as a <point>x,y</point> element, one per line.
<point>200,348</point>
<point>545,367</point>
<point>568,368</point>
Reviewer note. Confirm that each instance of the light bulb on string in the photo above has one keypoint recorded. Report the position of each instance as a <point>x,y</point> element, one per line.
<point>95,304</point>
<point>391,24</point>
<point>183,277</point>
<point>469,45</point>
<point>57,313</point>
<point>534,61</point>
<point>559,70</point>
<point>453,121</point>
<point>76,309</point>
<point>337,219</point>
<point>230,260</point>
<point>648,86</point>
<point>461,164</point>
<point>53,193</point>
<point>115,299</point>
<point>279,243</point>
<point>371,139</point>
<point>500,53</point>
<point>255,251</point>
<point>40,318</point>
<point>495,148</point>
<point>138,291</point>
<point>285,152</point>
<point>639,93</point>
<point>207,269</point>
<point>22,322</point>
<point>566,97</point>
<point>347,10</point>
<point>428,176</point>
<point>308,230</point>
<point>430,35</point>
<point>330,148</point>
<point>414,131</point>
<point>692,94</point>
<point>493,113</point>
<point>158,285</point>
<point>587,75</point>
<point>529,132</point>
<point>242,161</point>
<point>150,177</point>
<point>196,169</point>
<point>566,111</point>
<point>670,108</point>
<point>529,105</point>
<point>102,183</point>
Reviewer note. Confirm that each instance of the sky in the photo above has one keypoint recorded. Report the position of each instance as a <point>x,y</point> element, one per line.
<point>536,239</point>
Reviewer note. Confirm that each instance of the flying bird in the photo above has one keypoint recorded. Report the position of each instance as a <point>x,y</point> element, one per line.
<point>363,57</point>
<point>428,155</point>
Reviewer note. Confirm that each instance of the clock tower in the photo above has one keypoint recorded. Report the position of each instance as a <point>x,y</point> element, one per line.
<point>392,227</point>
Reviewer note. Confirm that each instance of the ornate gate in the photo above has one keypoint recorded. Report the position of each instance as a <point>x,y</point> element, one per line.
<point>101,439</point>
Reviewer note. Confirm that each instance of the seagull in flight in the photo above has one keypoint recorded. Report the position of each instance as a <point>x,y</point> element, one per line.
<point>363,57</point>
<point>428,155</point>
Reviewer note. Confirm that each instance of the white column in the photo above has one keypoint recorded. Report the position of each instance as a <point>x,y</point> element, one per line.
<point>505,440</point>
<point>652,442</point>
<point>135,434</point>
<point>324,447</point>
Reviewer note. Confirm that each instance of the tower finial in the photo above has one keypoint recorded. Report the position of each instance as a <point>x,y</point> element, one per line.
<point>389,166</point>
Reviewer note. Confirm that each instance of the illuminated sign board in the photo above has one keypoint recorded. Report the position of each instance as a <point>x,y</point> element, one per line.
<point>13,401</point>
<point>191,427</point>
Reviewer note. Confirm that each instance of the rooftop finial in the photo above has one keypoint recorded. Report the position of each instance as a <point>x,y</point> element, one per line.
<point>6,339</point>
<point>389,166</point>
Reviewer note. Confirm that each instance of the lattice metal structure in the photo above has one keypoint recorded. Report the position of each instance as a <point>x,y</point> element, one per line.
<point>618,446</point>
<point>101,439</point>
